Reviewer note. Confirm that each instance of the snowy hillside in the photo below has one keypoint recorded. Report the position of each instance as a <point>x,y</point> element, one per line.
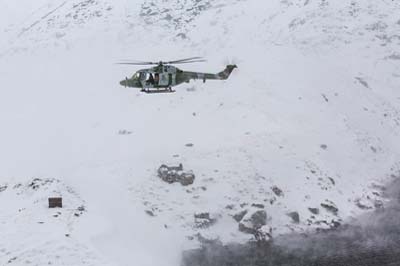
<point>305,130</point>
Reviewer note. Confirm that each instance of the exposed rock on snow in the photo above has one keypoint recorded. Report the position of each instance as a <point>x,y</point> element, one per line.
<point>253,221</point>
<point>239,216</point>
<point>150,213</point>
<point>173,174</point>
<point>204,220</point>
<point>295,217</point>
<point>3,188</point>
<point>264,233</point>
<point>314,210</point>
<point>363,204</point>
<point>277,191</point>
<point>258,205</point>
<point>330,206</point>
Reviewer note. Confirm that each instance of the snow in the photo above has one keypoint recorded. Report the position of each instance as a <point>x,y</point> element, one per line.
<point>312,109</point>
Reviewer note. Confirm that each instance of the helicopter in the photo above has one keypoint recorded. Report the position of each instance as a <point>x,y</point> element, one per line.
<point>164,76</point>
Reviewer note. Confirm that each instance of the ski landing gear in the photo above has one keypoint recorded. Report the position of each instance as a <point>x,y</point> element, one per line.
<point>158,90</point>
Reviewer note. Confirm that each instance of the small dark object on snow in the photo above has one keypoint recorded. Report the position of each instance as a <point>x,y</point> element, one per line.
<point>149,213</point>
<point>314,210</point>
<point>258,205</point>
<point>172,174</point>
<point>239,216</point>
<point>250,224</point>
<point>204,220</point>
<point>277,191</point>
<point>295,217</point>
<point>55,202</point>
<point>330,207</point>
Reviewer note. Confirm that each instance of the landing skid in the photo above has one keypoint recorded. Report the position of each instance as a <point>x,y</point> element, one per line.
<point>148,91</point>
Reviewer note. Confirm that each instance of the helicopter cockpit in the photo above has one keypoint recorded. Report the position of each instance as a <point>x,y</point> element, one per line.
<point>136,76</point>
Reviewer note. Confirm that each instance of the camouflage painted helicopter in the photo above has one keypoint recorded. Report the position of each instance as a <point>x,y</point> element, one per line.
<point>164,76</point>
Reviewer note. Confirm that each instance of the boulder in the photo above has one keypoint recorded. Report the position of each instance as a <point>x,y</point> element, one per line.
<point>173,174</point>
<point>239,216</point>
<point>295,217</point>
<point>263,234</point>
<point>314,210</point>
<point>277,191</point>
<point>204,220</point>
<point>330,206</point>
<point>252,222</point>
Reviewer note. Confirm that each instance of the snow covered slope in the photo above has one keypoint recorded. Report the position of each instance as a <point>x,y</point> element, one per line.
<point>310,120</point>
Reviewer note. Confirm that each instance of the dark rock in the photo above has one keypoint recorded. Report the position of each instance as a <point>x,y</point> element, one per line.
<point>258,205</point>
<point>272,201</point>
<point>335,224</point>
<point>206,241</point>
<point>2,188</point>
<point>243,204</point>
<point>330,207</point>
<point>203,215</point>
<point>172,174</point>
<point>239,216</point>
<point>189,145</point>
<point>314,210</point>
<point>204,220</point>
<point>35,184</point>
<point>187,179</point>
<point>332,180</point>
<point>150,213</point>
<point>323,146</point>
<point>378,204</point>
<point>295,217</point>
<point>254,222</point>
<point>362,206</point>
<point>124,132</point>
<point>263,235</point>
<point>11,260</point>
<point>81,208</point>
<point>230,207</point>
<point>277,191</point>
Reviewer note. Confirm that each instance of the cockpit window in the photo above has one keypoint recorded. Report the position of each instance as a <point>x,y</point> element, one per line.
<point>136,75</point>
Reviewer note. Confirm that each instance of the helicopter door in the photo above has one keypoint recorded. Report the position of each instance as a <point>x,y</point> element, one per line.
<point>142,78</point>
<point>169,79</point>
<point>163,79</point>
<point>156,79</point>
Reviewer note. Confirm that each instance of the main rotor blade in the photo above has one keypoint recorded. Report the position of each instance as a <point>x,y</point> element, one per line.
<point>188,62</point>
<point>137,63</point>
<point>182,60</point>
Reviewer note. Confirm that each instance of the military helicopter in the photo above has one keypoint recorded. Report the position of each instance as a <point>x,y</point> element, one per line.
<point>164,76</point>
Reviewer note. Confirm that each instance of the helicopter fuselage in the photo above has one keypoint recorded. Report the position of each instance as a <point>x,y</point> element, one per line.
<point>168,76</point>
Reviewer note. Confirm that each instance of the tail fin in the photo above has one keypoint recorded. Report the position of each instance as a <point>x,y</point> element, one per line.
<point>227,71</point>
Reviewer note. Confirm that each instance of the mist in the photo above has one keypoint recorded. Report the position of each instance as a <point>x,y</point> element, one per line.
<point>369,240</point>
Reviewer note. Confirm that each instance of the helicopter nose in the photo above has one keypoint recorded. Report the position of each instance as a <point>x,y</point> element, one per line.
<point>124,82</point>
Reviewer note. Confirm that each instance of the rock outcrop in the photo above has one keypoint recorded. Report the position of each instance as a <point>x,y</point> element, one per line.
<point>173,174</point>
<point>253,221</point>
